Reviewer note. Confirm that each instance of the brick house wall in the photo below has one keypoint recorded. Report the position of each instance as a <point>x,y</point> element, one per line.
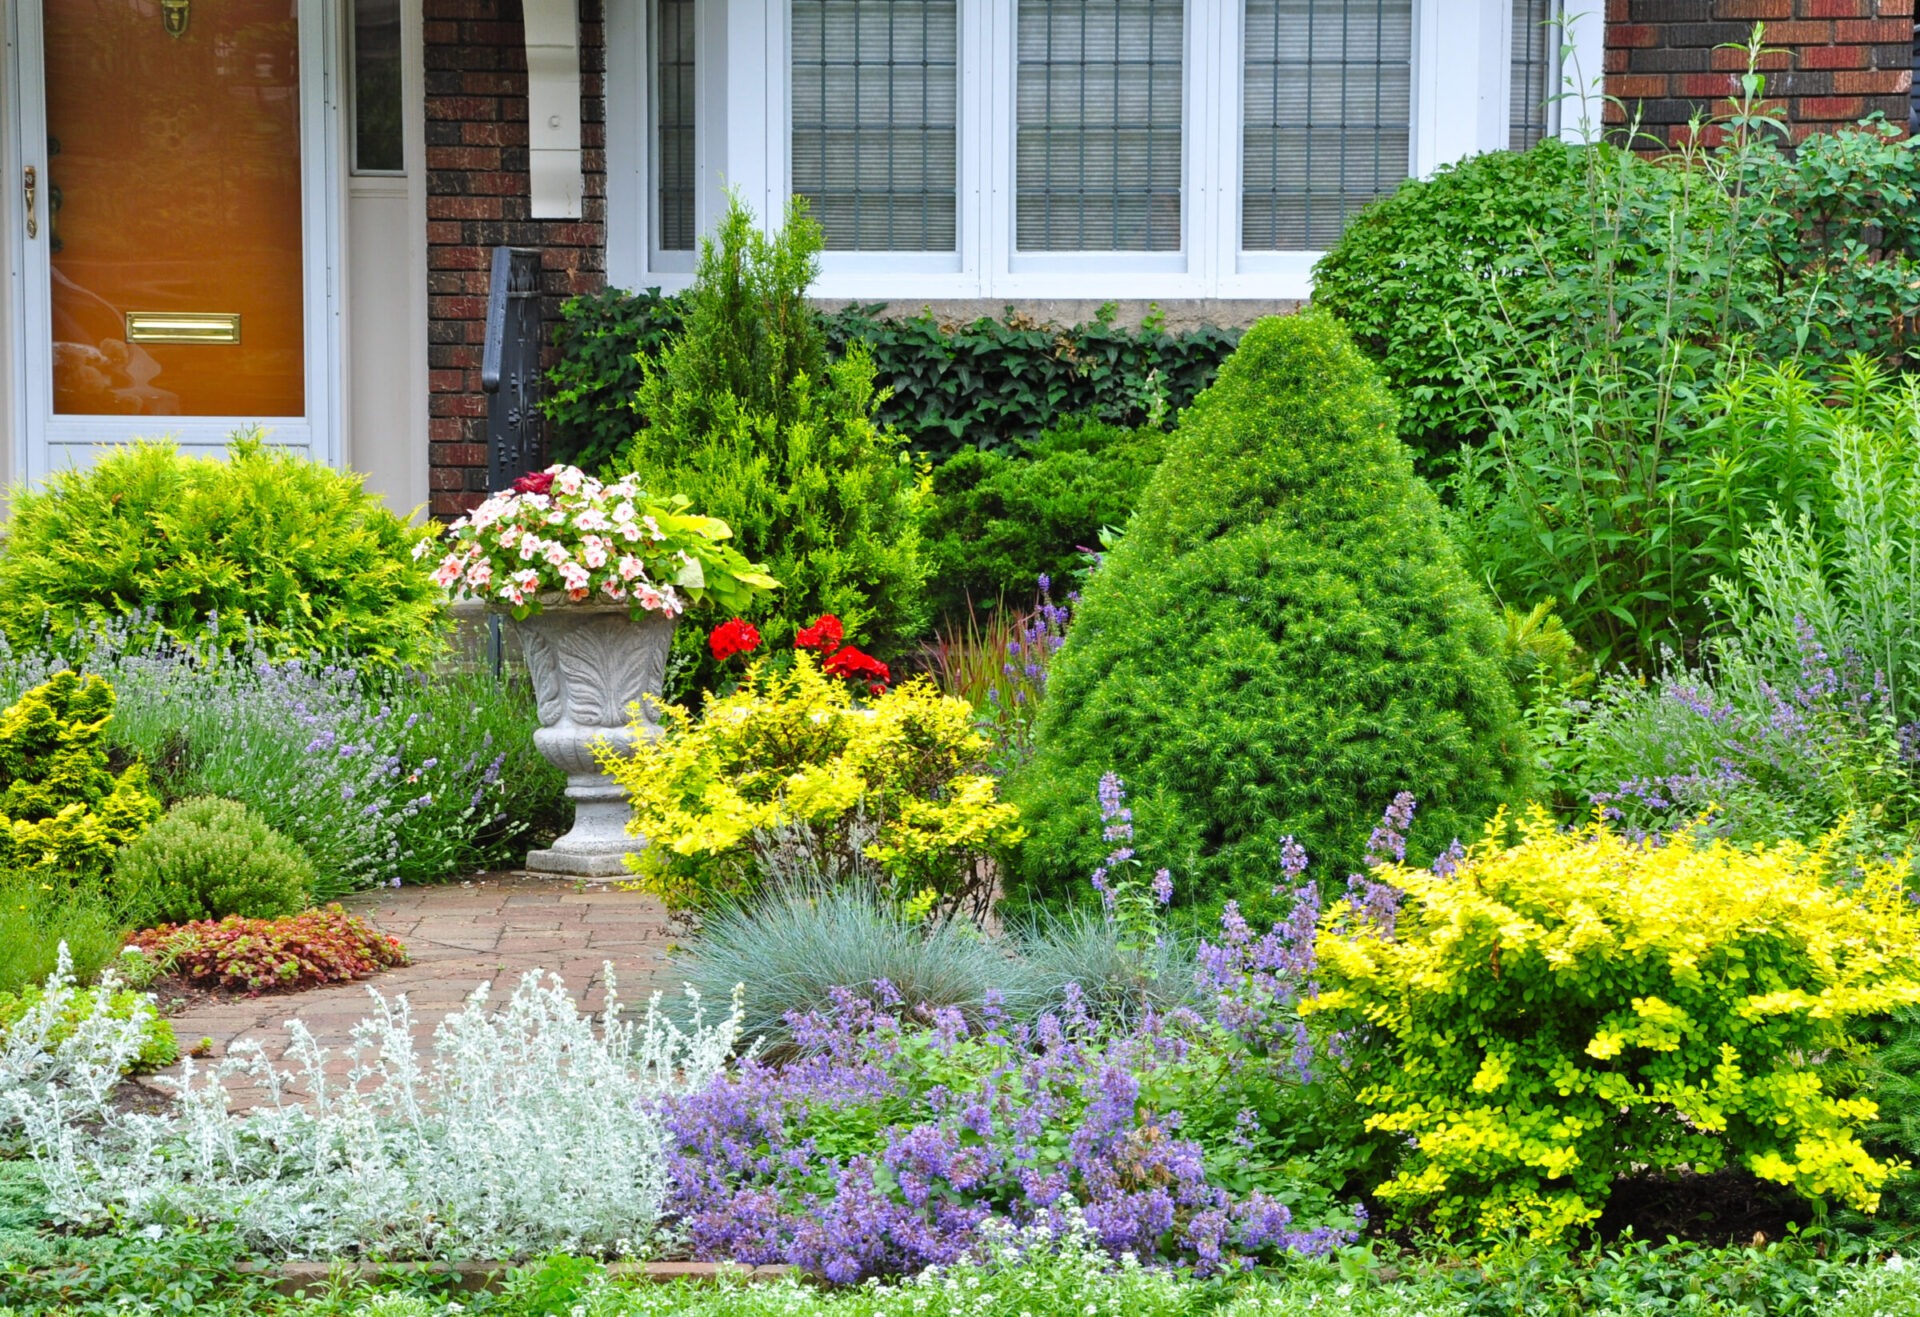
<point>1831,62</point>
<point>477,198</point>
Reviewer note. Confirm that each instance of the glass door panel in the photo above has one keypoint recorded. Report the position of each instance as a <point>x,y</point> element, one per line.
<point>173,207</point>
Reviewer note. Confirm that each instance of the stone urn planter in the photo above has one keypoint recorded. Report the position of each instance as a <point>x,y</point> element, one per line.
<point>590,663</point>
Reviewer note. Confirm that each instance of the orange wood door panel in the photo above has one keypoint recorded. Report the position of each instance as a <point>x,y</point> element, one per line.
<point>173,189</point>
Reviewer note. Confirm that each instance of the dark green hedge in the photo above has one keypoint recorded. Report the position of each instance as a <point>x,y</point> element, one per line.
<point>992,384</point>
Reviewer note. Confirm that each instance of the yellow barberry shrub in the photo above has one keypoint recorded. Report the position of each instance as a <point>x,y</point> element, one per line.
<point>1549,1016</point>
<point>786,776</point>
<point>63,811</point>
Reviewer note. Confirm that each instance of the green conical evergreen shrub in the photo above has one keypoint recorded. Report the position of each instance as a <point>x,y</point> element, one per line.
<point>745,415</point>
<point>1283,640</point>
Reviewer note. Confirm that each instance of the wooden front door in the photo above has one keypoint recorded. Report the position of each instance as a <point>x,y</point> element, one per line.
<point>171,151</point>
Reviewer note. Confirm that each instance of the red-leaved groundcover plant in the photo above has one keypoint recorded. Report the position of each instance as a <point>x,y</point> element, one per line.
<point>824,638</point>
<point>255,955</point>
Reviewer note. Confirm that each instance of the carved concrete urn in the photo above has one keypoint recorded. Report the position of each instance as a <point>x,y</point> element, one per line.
<point>589,664</point>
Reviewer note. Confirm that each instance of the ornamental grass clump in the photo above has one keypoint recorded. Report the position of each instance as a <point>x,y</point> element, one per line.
<point>1539,1020</point>
<point>1283,640</point>
<point>786,776</point>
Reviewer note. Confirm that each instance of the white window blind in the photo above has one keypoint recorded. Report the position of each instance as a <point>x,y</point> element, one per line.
<point>1098,156</point>
<point>875,102</point>
<point>1536,72</point>
<point>1328,95</point>
<point>673,59</point>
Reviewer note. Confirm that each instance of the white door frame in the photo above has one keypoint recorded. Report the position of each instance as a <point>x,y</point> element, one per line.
<point>44,442</point>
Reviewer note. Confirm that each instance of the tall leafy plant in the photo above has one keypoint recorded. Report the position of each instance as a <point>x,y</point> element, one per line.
<point>746,415</point>
<point>1623,465</point>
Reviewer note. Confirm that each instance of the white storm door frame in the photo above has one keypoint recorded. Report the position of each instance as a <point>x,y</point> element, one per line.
<point>45,442</point>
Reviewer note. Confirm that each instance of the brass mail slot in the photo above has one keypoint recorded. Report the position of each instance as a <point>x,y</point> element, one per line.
<point>182,327</point>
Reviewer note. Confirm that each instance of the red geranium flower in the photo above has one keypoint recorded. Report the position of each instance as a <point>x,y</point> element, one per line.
<point>735,637</point>
<point>855,666</point>
<point>534,482</point>
<point>825,634</point>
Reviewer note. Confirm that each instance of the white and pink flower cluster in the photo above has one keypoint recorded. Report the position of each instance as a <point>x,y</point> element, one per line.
<point>560,531</point>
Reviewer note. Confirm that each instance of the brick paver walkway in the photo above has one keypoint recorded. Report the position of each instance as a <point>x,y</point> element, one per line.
<point>493,928</point>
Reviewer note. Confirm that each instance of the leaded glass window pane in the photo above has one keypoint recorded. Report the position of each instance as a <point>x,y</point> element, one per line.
<point>875,101</point>
<point>1536,72</point>
<point>1098,160</point>
<point>1328,96</point>
<point>674,220</point>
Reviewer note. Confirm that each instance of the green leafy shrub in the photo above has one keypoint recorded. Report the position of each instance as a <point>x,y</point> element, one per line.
<point>158,1049</point>
<point>1283,640</point>
<point>1414,272</point>
<point>265,545</point>
<point>996,384</point>
<point>991,384</point>
<point>997,522</point>
<point>1454,281</point>
<point>210,858</point>
<point>299,951</point>
<point>603,338</point>
<point>745,416</point>
<point>36,916</point>
<point>1539,1020</point>
<point>63,810</point>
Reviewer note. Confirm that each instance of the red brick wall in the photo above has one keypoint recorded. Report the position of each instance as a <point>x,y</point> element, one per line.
<point>477,198</point>
<point>1830,62</point>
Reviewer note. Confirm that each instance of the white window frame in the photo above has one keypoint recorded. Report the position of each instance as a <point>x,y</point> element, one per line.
<point>743,137</point>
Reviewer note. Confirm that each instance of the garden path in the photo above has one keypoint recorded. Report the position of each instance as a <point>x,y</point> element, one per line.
<point>492,928</point>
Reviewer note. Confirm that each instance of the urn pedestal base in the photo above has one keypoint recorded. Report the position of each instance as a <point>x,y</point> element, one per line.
<point>590,664</point>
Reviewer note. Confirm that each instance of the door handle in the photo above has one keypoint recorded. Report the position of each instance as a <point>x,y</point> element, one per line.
<point>33,190</point>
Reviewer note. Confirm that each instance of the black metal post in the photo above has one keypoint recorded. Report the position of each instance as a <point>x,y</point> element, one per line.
<point>510,365</point>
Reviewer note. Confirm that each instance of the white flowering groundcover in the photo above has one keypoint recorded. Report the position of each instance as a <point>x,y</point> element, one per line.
<point>522,1131</point>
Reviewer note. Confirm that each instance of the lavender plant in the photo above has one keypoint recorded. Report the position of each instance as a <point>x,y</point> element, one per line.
<point>524,1131</point>
<point>1739,747</point>
<point>378,776</point>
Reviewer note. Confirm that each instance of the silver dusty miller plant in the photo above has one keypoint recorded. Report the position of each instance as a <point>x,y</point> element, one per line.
<point>523,1131</point>
<point>70,1080</point>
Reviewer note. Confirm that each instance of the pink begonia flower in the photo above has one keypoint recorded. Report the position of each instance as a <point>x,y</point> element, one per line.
<point>479,575</point>
<point>630,567</point>
<point>653,528</point>
<point>557,555</point>
<point>613,588</point>
<point>421,549</point>
<point>448,571</point>
<point>624,513</point>
<point>593,551</point>
<point>529,545</point>
<point>591,519</point>
<point>567,479</point>
<point>630,531</point>
<point>558,517</point>
<point>527,580</point>
<point>509,537</point>
<point>649,598</point>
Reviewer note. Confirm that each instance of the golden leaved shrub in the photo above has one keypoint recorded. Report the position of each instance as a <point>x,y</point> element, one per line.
<point>1549,1016</point>
<point>787,777</point>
